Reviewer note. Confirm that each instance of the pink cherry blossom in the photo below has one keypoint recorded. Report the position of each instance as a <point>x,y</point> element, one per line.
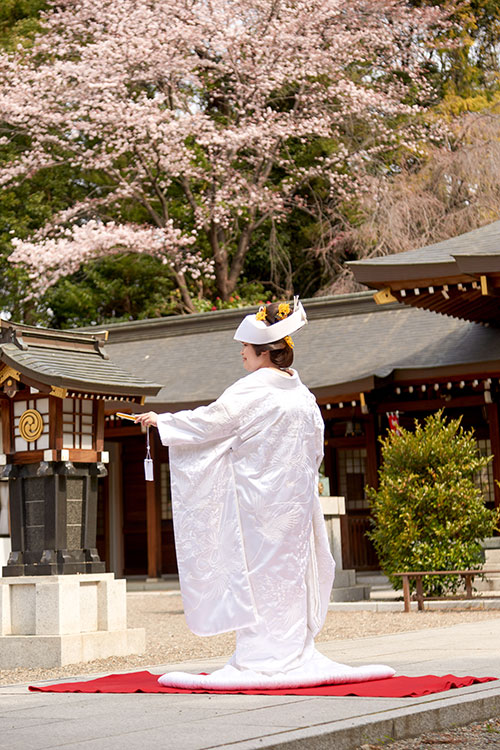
<point>207,99</point>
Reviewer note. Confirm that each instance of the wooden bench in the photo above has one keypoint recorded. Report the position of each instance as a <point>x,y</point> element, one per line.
<point>467,575</point>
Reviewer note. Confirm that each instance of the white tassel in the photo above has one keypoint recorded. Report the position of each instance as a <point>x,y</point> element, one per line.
<point>148,461</point>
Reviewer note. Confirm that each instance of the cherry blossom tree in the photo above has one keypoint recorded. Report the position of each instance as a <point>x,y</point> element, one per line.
<point>191,114</point>
<point>455,189</point>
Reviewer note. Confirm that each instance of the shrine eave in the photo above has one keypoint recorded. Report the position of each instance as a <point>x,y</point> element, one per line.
<point>380,275</point>
<point>355,390</point>
<point>76,363</point>
<point>456,259</point>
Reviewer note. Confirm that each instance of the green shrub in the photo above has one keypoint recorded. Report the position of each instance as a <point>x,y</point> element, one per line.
<point>428,512</point>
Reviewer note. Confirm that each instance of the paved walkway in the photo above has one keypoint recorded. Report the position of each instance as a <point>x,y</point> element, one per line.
<point>35,721</point>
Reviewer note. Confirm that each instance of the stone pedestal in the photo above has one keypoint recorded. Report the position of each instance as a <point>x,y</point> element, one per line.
<point>345,587</point>
<point>50,621</point>
<point>491,548</point>
<point>53,512</point>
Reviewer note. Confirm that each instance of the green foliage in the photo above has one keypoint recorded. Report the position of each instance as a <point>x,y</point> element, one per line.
<point>126,287</point>
<point>428,512</point>
<point>110,290</point>
<point>19,21</point>
<point>472,65</point>
<point>23,210</point>
<point>249,293</point>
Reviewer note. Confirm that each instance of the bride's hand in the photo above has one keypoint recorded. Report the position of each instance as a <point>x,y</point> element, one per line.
<point>149,419</point>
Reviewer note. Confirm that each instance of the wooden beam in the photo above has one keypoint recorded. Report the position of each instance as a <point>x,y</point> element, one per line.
<point>99,425</point>
<point>7,431</point>
<point>494,428</point>
<point>371,475</point>
<point>428,404</point>
<point>55,424</point>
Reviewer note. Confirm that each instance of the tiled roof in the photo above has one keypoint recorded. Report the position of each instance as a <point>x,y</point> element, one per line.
<point>479,242</point>
<point>349,343</point>
<point>75,361</point>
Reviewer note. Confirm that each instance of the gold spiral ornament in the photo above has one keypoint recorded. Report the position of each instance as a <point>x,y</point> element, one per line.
<point>31,425</point>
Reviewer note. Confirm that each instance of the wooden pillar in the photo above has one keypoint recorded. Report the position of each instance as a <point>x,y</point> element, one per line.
<point>494,427</point>
<point>99,422</point>
<point>371,475</point>
<point>153,513</point>
<point>115,539</point>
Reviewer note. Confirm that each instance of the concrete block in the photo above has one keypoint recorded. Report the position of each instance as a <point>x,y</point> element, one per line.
<point>492,558</point>
<point>46,651</point>
<point>5,614</point>
<point>56,606</point>
<point>22,610</point>
<point>350,594</point>
<point>136,640</point>
<point>88,606</point>
<point>54,620</point>
<point>67,649</point>
<point>112,604</point>
<point>33,651</point>
<point>332,506</point>
<point>100,644</point>
<point>334,534</point>
<point>344,578</point>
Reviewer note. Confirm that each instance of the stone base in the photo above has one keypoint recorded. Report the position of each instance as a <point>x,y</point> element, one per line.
<point>51,569</point>
<point>52,620</point>
<point>45,651</point>
<point>355,593</point>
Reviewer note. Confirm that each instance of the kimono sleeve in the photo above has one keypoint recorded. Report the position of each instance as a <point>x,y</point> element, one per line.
<point>215,585</point>
<point>319,435</point>
<point>197,426</point>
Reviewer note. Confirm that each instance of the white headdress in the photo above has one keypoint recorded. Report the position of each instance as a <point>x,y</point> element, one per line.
<point>253,330</point>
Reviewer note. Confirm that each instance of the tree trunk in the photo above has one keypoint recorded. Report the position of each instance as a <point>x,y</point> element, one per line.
<point>182,286</point>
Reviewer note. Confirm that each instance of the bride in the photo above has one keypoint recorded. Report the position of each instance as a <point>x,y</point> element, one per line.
<point>251,543</point>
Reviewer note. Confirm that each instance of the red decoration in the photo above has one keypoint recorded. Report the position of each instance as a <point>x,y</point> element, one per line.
<point>393,417</point>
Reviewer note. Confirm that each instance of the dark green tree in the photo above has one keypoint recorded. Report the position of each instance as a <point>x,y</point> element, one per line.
<point>428,512</point>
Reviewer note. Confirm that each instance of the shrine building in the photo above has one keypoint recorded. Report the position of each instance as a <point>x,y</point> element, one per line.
<point>428,340</point>
<point>427,337</point>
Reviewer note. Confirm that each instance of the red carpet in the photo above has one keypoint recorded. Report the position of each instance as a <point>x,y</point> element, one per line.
<point>394,687</point>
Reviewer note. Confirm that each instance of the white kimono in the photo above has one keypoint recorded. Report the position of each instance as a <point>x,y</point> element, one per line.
<point>251,543</point>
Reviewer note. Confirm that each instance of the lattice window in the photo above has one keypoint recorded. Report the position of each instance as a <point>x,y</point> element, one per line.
<point>484,478</point>
<point>166,498</point>
<point>41,405</point>
<point>351,468</point>
<point>77,424</point>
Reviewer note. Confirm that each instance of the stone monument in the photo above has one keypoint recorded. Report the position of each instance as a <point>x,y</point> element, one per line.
<point>57,604</point>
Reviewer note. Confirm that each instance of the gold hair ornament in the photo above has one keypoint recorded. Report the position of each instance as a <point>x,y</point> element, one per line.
<point>289,342</point>
<point>283,310</point>
<point>261,315</point>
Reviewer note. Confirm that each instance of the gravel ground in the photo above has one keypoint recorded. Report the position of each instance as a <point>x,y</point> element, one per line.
<point>169,640</point>
<point>478,736</point>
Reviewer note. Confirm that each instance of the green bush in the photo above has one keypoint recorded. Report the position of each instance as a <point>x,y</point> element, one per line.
<point>428,513</point>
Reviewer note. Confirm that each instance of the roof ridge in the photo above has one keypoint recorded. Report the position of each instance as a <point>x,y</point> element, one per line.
<point>219,320</point>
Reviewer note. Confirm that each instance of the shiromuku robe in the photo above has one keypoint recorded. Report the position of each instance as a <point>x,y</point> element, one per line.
<point>252,548</point>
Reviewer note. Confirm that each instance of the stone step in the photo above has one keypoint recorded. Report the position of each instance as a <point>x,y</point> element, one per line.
<point>490,583</point>
<point>492,558</point>
<point>372,577</point>
<point>354,593</point>
<point>344,578</point>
